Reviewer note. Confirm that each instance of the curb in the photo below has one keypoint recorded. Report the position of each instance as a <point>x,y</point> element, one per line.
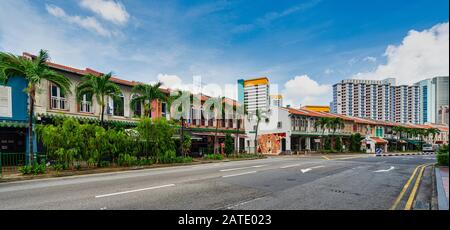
<point>406,154</point>
<point>442,199</point>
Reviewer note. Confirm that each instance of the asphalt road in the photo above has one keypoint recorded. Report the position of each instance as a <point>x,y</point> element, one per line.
<point>288,182</point>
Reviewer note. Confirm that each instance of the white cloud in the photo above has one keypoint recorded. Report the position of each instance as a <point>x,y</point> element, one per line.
<point>302,90</point>
<point>370,59</point>
<point>422,54</point>
<point>110,10</point>
<point>88,23</point>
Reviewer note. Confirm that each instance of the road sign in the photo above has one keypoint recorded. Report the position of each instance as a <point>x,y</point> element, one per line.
<point>378,151</point>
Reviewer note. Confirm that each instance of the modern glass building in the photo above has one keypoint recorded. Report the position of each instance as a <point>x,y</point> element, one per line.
<point>433,95</point>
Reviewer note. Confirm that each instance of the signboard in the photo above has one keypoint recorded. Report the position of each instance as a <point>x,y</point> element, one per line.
<point>5,101</point>
<point>378,151</point>
<point>317,140</point>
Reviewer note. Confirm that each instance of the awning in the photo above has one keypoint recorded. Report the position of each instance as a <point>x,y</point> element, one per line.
<point>13,124</point>
<point>415,142</point>
<point>379,140</point>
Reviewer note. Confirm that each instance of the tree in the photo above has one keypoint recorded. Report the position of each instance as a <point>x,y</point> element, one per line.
<point>100,87</point>
<point>322,122</point>
<point>34,71</point>
<point>355,142</point>
<point>186,144</point>
<point>144,129</point>
<point>335,124</point>
<point>147,94</point>
<point>433,132</point>
<point>228,144</point>
<point>399,130</point>
<point>241,112</point>
<point>259,115</point>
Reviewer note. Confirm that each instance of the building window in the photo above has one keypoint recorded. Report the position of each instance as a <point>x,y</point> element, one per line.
<point>137,110</point>
<point>57,98</point>
<point>164,109</point>
<point>116,106</point>
<point>279,125</point>
<point>86,104</point>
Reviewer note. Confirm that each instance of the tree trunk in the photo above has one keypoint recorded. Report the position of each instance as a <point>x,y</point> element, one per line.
<point>30,125</point>
<point>215,137</point>
<point>103,110</point>
<point>256,138</point>
<point>236,144</point>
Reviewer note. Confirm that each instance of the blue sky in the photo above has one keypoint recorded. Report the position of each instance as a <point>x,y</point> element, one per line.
<point>322,40</point>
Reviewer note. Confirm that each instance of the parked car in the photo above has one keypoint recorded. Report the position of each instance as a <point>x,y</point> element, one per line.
<point>428,148</point>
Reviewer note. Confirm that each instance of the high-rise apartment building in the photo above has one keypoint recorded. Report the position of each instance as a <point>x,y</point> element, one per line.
<point>406,104</point>
<point>376,99</point>
<point>255,94</point>
<point>433,95</point>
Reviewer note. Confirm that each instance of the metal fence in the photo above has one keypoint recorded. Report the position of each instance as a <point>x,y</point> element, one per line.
<point>10,163</point>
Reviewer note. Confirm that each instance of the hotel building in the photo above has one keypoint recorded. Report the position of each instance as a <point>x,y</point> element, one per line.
<point>254,94</point>
<point>377,100</point>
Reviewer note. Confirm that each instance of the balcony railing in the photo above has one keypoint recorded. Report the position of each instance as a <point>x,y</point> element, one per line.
<point>59,103</point>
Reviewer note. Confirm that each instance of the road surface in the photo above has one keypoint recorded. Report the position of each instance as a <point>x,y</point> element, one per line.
<point>288,182</point>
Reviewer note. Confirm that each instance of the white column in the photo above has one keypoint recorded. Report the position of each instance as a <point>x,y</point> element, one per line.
<point>308,143</point>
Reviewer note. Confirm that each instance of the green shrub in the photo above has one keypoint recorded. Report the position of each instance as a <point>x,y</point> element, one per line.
<point>170,157</point>
<point>146,161</point>
<point>127,160</point>
<point>442,159</point>
<point>25,170</point>
<point>103,164</point>
<point>58,167</point>
<point>213,157</point>
<point>442,156</point>
<point>229,146</point>
<point>34,169</point>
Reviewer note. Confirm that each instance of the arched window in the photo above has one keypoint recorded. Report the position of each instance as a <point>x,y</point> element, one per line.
<point>137,110</point>
<point>116,106</point>
<point>57,98</point>
<point>85,105</point>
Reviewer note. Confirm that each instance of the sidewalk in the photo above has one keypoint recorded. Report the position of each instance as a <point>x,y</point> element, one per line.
<point>442,187</point>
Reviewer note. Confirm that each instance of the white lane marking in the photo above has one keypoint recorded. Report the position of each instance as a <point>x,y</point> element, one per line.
<point>289,166</point>
<point>239,174</point>
<point>137,190</point>
<point>233,169</point>
<point>242,203</point>
<point>309,169</point>
<point>385,170</point>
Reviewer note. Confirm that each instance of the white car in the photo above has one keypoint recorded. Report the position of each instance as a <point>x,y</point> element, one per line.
<point>428,148</point>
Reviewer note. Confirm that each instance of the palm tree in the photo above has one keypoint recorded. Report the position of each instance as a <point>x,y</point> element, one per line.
<point>322,122</point>
<point>33,71</point>
<point>433,132</point>
<point>259,116</point>
<point>335,124</point>
<point>147,94</point>
<point>399,130</point>
<point>101,87</point>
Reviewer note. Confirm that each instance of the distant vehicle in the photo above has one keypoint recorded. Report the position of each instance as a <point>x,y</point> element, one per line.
<point>428,148</point>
